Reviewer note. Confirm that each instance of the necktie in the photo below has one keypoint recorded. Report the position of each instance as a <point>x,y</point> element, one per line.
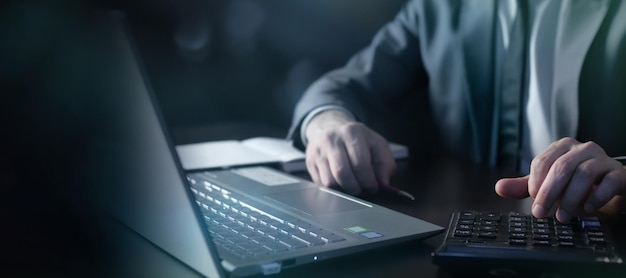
<point>512,84</point>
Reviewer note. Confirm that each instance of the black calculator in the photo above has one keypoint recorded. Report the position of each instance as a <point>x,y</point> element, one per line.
<point>513,244</point>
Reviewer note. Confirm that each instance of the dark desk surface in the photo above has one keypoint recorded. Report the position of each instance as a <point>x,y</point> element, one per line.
<point>440,187</point>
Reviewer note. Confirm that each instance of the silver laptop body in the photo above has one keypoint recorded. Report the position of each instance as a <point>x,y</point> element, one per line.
<point>149,193</point>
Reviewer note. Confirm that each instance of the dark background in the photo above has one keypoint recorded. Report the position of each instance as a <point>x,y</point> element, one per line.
<point>241,65</point>
<point>219,69</point>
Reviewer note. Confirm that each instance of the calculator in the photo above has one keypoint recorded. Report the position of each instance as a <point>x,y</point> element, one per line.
<point>513,244</point>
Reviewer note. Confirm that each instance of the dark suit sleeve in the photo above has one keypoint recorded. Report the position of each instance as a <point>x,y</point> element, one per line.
<point>376,80</point>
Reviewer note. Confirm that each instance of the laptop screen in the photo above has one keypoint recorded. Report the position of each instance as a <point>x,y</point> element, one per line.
<point>140,182</point>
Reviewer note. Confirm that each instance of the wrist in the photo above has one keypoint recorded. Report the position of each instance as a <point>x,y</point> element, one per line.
<point>326,120</point>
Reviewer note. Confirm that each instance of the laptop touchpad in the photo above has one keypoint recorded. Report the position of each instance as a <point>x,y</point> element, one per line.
<point>317,201</point>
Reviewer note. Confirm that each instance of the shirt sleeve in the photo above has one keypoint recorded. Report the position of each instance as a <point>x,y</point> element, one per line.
<point>375,81</point>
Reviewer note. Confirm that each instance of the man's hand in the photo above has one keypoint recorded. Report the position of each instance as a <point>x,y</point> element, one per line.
<point>342,152</point>
<point>575,177</point>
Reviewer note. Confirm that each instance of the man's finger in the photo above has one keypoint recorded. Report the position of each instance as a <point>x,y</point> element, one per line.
<point>514,188</point>
<point>361,160</point>
<point>542,163</point>
<point>341,170</point>
<point>324,175</point>
<point>382,160</point>
<point>606,190</point>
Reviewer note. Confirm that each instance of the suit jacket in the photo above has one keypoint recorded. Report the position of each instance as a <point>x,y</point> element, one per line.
<point>442,58</point>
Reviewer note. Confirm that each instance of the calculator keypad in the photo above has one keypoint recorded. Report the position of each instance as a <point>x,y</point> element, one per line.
<point>481,243</point>
<point>525,231</point>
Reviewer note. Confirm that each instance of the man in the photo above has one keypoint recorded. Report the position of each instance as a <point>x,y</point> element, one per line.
<point>505,82</point>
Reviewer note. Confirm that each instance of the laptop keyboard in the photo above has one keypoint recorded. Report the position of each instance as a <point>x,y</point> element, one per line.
<point>246,230</point>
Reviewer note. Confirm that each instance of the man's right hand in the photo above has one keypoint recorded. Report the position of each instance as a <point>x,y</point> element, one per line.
<point>343,152</point>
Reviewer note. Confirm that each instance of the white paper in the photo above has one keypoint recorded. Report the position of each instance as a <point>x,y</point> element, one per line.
<point>281,149</point>
<point>219,154</point>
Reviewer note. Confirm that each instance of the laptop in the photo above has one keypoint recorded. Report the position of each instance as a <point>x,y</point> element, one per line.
<point>191,215</point>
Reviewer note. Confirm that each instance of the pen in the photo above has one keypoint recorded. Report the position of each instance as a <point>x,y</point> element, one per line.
<point>394,190</point>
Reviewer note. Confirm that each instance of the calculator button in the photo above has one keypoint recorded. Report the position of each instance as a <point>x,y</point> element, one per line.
<point>466,221</point>
<point>595,233</point>
<point>541,243</point>
<point>516,241</point>
<point>541,220</point>
<point>462,233</point>
<point>564,226</point>
<point>541,225</point>
<point>592,222</point>
<point>597,240</point>
<point>517,236</point>
<point>487,228</point>
<point>494,216</point>
<point>491,235</point>
<point>517,219</point>
<point>542,237</point>
<point>565,238</point>
<point>565,232</point>
<point>489,223</point>
<point>542,231</point>
<point>467,215</point>
<point>517,230</point>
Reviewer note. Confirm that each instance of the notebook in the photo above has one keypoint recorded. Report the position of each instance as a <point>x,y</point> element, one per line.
<point>251,151</point>
<point>145,188</point>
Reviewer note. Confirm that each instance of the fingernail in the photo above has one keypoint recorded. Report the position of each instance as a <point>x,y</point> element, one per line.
<point>562,215</point>
<point>539,211</point>
<point>589,208</point>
